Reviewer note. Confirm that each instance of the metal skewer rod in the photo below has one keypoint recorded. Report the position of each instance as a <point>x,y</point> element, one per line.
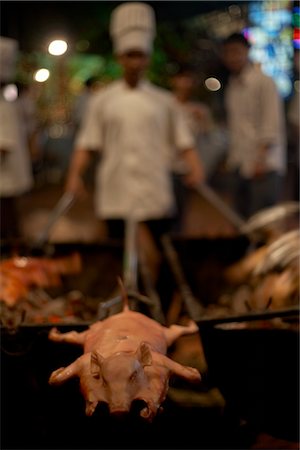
<point>292,311</point>
<point>134,260</point>
<point>130,258</point>
<point>155,306</point>
<point>193,305</point>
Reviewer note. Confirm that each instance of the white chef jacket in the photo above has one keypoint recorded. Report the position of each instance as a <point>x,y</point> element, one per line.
<point>15,168</point>
<point>137,131</point>
<point>255,116</point>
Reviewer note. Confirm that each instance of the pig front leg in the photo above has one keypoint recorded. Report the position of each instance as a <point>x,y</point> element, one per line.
<point>154,392</point>
<point>186,372</point>
<point>175,331</point>
<point>63,374</point>
<point>72,337</point>
<point>90,387</point>
<point>150,410</point>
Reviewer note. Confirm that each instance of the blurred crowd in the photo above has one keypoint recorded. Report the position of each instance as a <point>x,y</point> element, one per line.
<point>150,146</point>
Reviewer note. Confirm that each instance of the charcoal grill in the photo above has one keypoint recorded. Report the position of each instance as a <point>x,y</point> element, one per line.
<point>242,363</point>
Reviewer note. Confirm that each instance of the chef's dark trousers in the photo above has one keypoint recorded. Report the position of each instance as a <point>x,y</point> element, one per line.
<point>157,228</point>
<point>181,193</point>
<point>9,218</point>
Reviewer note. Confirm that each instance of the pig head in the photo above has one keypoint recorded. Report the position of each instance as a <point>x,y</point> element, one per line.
<point>122,376</point>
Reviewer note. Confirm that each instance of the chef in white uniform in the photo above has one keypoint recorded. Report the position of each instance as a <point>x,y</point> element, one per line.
<point>15,166</point>
<point>136,126</point>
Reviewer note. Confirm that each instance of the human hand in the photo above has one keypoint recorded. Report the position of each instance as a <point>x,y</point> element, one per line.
<point>195,174</point>
<point>3,155</point>
<point>75,185</point>
<point>259,169</point>
<point>197,112</point>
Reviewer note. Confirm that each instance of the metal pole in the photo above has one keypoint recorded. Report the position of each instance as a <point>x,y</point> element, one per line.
<point>130,258</point>
<point>193,305</point>
<point>219,204</point>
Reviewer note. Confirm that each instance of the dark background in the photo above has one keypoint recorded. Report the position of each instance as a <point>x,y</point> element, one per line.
<point>32,22</point>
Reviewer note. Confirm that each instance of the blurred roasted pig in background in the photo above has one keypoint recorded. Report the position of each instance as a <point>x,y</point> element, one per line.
<point>19,275</point>
<point>268,277</point>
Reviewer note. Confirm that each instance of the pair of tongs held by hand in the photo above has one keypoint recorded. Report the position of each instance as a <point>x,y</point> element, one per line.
<point>267,217</point>
<point>61,207</point>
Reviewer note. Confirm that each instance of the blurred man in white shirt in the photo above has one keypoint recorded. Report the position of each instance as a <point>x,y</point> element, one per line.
<point>136,126</point>
<point>256,125</point>
<point>15,163</point>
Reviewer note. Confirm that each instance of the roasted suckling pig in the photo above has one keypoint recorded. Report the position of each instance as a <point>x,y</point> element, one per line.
<point>125,360</point>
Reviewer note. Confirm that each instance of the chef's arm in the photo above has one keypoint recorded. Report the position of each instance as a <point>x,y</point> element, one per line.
<point>79,164</point>
<point>195,171</point>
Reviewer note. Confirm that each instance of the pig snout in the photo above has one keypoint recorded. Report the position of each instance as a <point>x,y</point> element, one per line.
<point>140,408</point>
<point>120,396</point>
<point>119,399</point>
<point>119,410</point>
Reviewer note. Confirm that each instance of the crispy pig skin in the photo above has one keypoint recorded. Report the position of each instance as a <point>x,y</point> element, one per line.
<point>124,360</point>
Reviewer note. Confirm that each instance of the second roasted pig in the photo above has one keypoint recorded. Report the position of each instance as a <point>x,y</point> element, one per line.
<point>19,275</point>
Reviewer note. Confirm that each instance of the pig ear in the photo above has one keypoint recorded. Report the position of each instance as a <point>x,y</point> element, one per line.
<point>144,354</point>
<point>96,361</point>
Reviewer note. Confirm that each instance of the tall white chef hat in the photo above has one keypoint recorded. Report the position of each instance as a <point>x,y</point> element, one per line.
<point>8,58</point>
<point>132,27</point>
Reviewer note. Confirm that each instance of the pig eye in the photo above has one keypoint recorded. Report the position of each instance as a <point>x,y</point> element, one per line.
<point>133,376</point>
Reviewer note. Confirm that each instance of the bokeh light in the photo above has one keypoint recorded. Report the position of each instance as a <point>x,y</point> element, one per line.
<point>10,92</point>
<point>212,84</point>
<point>57,47</point>
<point>41,75</point>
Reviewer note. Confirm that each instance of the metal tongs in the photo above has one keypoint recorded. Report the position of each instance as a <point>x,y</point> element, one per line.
<point>133,262</point>
<point>61,207</point>
<point>258,223</point>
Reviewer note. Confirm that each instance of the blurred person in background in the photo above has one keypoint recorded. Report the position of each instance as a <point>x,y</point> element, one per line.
<point>210,141</point>
<point>15,164</point>
<point>293,124</point>
<point>256,129</point>
<point>27,107</point>
<point>90,87</point>
<point>136,126</point>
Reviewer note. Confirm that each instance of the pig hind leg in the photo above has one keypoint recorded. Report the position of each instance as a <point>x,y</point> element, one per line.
<point>72,337</point>
<point>186,372</point>
<point>175,331</point>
